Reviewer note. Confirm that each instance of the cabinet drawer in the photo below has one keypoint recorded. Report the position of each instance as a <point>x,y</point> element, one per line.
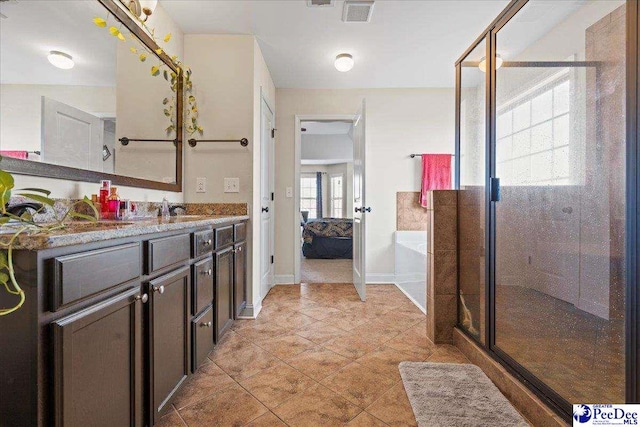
<point>240,232</point>
<point>81,275</point>
<point>167,251</point>
<point>224,236</point>
<point>202,337</point>
<point>202,284</point>
<point>202,243</point>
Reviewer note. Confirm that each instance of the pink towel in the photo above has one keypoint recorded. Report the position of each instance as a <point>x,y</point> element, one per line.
<point>14,154</point>
<point>436,174</point>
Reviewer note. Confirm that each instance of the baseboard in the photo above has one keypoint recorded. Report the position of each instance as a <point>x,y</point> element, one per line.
<point>284,279</point>
<point>381,279</point>
<point>250,311</point>
<point>424,310</point>
<point>594,308</point>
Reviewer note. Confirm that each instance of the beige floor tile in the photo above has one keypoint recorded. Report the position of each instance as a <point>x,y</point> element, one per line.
<point>172,419</point>
<point>277,384</point>
<point>286,346</point>
<point>318,362</point>
<point>351,345</point>
<point>208,380</point>
<point>233,406</point>
<point>359,384</point>
<point>394,408</point>
<point>319,332</point>
<point>245,362</point>
<point>447,354</point>
<point>316,406</point>
<point>366,420</point>
<point>266,420</point>
<point>385,361</point>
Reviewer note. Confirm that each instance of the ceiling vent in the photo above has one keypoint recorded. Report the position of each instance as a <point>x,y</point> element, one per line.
<point>357,11</point>
<point>320,3</point>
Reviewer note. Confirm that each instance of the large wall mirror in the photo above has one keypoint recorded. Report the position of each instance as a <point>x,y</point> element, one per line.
<point>86,94</point>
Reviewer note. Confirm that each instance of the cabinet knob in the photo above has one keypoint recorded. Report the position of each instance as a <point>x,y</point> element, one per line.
<point>239,248</point>
<point>207,242</point>
<point>159,289</point>
<point>209,272</point>
<point>206,324</point>
<point>144,298</point>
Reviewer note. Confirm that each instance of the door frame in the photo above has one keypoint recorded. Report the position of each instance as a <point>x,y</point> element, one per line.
<point>297,160</point>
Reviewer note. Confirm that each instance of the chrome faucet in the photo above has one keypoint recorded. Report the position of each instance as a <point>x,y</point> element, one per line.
<point>20,208</point>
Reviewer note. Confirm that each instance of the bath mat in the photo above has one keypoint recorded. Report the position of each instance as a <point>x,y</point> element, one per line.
<point>450,394</point>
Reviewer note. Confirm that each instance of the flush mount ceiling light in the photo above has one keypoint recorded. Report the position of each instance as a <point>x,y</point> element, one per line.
<point>483,63</point>
<point>61,60</point>
<point>344,62</point>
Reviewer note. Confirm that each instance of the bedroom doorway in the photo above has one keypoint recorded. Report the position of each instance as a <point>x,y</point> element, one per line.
<point>324,199</point>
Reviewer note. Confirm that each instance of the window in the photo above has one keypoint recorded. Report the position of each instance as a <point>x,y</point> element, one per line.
<point>533,136</point>
<point>308,193</point>
<point>337,196</point>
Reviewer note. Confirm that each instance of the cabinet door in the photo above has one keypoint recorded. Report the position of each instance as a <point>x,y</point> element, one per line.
<point>98,364</point>
<point>240,278</point>
<point>224,292</point>
<point>169,337</point>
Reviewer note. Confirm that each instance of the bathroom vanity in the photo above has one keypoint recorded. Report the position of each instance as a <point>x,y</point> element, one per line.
<point>117,317</point>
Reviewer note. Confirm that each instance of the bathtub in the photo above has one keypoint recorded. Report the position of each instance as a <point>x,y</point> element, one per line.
<point>411,265</point>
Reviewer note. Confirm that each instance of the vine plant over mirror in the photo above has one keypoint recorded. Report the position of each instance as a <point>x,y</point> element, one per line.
<point>169,104</point>
<point>12,226</point>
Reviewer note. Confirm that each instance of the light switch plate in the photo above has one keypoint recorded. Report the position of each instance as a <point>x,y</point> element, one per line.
<point>232,185</point>
<point>201,185</point>
<point>289,192</point>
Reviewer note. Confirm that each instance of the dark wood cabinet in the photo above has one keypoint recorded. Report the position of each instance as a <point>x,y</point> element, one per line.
<point>169,337</point>
<point>240,278</point>
<point>223,299</point>
<point>97,375</point>
<point>202,336</point>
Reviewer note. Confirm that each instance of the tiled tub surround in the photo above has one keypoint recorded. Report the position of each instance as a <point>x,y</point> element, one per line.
<point>411,265</point>
<point>410,215</point>
<point>442,237</point>
<point>316,355</point>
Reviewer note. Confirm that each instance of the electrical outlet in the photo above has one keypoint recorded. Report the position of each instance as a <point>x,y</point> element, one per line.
<point>289,192</point>
<point>232,185</point>
<point>201,185</point>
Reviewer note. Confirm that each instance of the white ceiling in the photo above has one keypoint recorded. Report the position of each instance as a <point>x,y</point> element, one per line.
<point>408,43</point>
<point>33,28</point>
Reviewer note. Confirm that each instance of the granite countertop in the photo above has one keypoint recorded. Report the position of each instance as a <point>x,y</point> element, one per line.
<point>82,232</point>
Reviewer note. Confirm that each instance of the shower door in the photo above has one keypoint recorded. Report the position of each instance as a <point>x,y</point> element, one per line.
<point>558,198</point>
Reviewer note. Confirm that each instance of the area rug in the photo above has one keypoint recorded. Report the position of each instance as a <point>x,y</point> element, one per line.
<point>450,394</point>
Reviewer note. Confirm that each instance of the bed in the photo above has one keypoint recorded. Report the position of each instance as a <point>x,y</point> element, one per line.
<point>328,238</point>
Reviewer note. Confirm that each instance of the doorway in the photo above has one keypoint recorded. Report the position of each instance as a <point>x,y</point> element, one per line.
<point>325,246</point>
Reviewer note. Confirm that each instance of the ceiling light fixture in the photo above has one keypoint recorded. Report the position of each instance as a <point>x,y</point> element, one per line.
<point>483,63</point>
<point>61,60</point>
<point>344,62</point>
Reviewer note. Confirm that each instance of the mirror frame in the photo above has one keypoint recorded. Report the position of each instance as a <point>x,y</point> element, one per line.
<point>46,170</point>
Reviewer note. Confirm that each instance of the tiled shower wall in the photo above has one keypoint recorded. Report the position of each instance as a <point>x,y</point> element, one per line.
<point>410,216</point>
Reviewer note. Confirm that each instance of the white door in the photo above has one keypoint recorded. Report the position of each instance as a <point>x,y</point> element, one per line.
<point>360,209</point>
<point>266,193</point>
<point>70,137</point>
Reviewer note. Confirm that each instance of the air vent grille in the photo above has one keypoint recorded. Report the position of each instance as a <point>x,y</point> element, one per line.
<point>320,3</point>
<point>357,11</point>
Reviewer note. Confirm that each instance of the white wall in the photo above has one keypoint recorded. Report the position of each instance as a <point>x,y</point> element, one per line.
<point>229,75</point>
<point>399,122</point>
<point>320,147</point>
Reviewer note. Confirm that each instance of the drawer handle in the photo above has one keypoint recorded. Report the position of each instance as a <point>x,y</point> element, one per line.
<point>206,324</point>
<point>238,249</point>
<point>144,298</point>
<point>159,289</point>
<point>208,272</point>
<point>207,242</point>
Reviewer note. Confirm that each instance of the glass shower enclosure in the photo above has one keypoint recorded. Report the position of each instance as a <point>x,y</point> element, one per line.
<point>548,197</point>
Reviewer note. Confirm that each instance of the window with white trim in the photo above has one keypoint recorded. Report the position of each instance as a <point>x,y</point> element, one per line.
<point>337,196</point>
<point>533,135</point>
<point>308,194</point>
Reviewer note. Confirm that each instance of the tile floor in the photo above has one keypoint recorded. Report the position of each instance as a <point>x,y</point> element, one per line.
<point>316,355</point>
